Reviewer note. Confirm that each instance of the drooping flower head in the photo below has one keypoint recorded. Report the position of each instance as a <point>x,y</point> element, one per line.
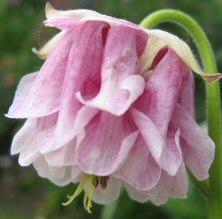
<point>112,106</point>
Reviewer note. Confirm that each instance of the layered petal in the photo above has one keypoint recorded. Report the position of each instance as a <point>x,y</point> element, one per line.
<point>60,176</point>
<point>121,84</point>
<point>35,135</point>
<point>106,144</point>
<point>151,135</point>
<point>110,194</point>
<point>171,157</point>
<point>82,74</point>
<point>164,39</point>
<point>69,18</point>
<point>162,87</point>
<point>200,151</point>
<point>43,96</point>
<point>186,93</point>
<point>168,186</point>
<point>140,170</point>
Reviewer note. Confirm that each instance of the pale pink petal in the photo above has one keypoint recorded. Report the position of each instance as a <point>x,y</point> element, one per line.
<point>136,194</point>
<point>150,133</point>
<point>28,157</point>
<point>200,151</point>
<point>121,85</point>
<point>82,73</point>
<point>36,135</point>
<point>167,187</point>
<point>140,170</point>
<point>64,156</point>
<point>68,18</point>
<point>60,176</point>
<point>161,91</point>
<point>186,94</point>
<point>107,142</point>
<point>44,96</point>
<point>172,156</point>
<point>110,194</point>
<point>180,183</point>
<point>22,90</point>
<point>76,174</point>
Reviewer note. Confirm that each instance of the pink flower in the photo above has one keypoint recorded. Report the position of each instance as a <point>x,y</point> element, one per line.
<point>112,105</point>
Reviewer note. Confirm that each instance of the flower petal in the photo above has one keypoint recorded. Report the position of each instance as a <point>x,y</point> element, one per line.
<point>82,74</point>
<point>110,194</point>
<point>68,18</point>
<point>120,86</point>
<point>106,144</point>
<point>136,194</point>
<point>22,90</point>
<point>172,156</point>
<point>140,170</point>
<point>170,186</point>
<point>64,156</point>
<point>164,39</point>
<point>186,94</point>
<point>44,52</point>
<point>161,91</point>
<point>44,96</point>
<point>35,135</point>
<point>200,151</point>
<point>60,176</point>
<point>150,133</point>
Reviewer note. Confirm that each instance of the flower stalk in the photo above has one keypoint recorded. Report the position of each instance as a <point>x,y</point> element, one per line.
<point>213,97</point>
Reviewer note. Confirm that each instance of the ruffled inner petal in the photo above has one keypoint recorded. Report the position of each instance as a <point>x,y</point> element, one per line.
<point>82,73</point>
<point>106,144</point>
<point>162,88</point>
<point>121,84</point>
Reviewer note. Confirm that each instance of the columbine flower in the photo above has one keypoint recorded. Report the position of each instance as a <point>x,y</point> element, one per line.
<point>112,105</point>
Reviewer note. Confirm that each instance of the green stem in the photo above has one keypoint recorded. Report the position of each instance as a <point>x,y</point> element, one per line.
<point>213,97</point>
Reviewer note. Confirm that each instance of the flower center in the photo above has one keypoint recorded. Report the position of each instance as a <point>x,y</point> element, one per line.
<point>89,183</point>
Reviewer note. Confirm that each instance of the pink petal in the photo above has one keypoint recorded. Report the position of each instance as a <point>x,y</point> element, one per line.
<point>64,156</point>
<point>136,195</point>
<point>200,151</point>
<point>172,156</point>
<point>169,186</point>
<point>82,73</point>
<point>121,84</point>
<point>107,142</point>
<point>28,157</point>
<point>36,135</point>
<point>140,170</point>
<point>161,92</point>
<point>186,94</point>
<point>68,18</point>
<point>150,133</point>
<point>44,96</point>
<point>110,194</point>
<point>23,89</point>
<point>60,176</point>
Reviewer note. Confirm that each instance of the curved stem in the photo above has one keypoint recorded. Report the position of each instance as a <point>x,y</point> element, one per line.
<point>213,97</point>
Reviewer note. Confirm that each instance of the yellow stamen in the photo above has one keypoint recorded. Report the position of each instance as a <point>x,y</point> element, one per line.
<point>87,182</point>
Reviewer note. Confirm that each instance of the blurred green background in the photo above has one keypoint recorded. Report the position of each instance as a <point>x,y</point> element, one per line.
<point>23,195</point>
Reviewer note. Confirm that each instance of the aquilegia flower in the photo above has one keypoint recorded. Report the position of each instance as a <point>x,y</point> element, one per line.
<point>112,106</point>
